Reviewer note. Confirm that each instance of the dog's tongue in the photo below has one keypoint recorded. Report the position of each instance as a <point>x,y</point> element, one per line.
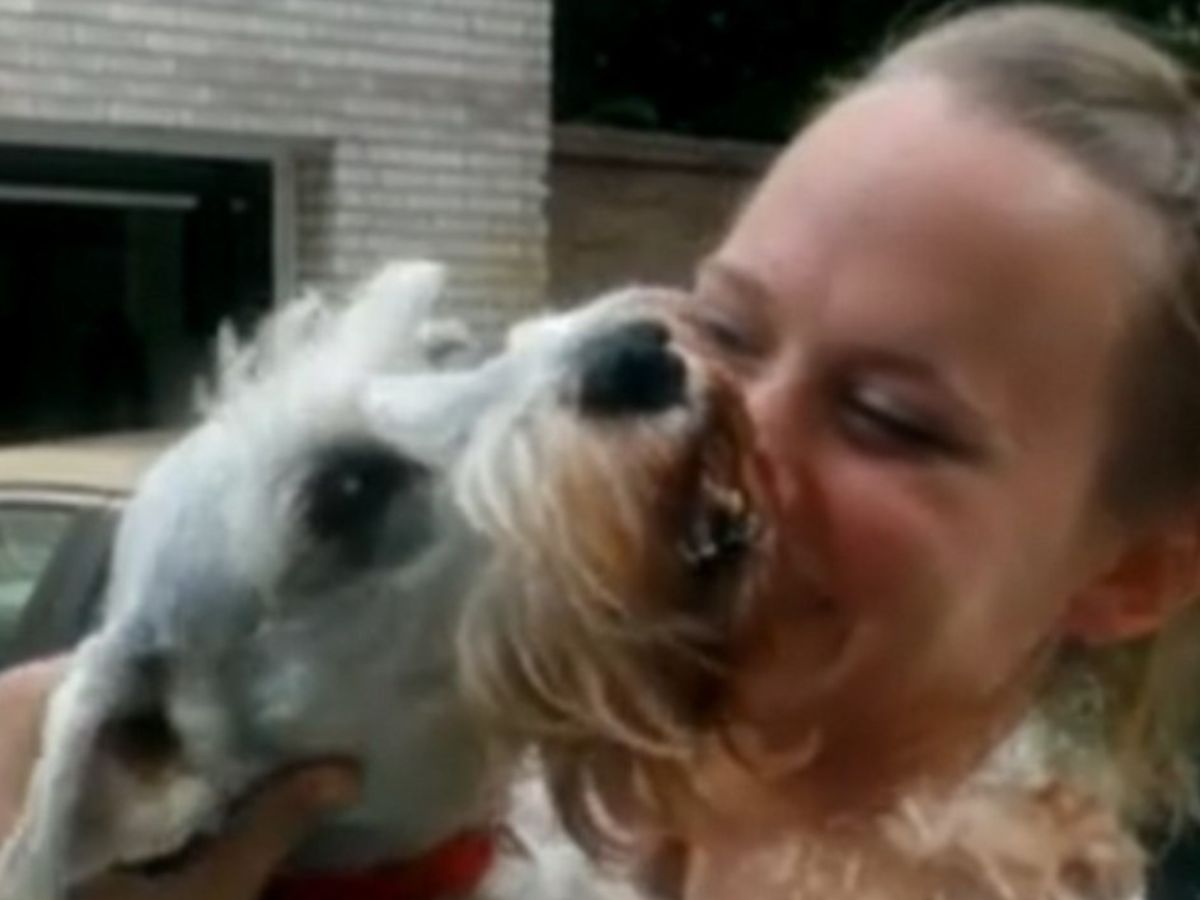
<point>452,869</point>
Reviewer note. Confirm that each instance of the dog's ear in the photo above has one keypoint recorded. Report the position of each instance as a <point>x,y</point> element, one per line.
<point>430,414</point>
<point>447,343</point>
<point>536,329</point>
<point>382,328</point>
<point>108,787</point>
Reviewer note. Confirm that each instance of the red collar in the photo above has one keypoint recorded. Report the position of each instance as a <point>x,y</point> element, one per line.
<point>451,869</point>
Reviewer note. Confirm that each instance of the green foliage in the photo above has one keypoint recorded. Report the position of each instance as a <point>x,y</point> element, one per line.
<point>749,68</point>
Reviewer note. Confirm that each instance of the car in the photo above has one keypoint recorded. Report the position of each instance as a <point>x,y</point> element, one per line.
<point>59,505</point>
<point>60,502</point>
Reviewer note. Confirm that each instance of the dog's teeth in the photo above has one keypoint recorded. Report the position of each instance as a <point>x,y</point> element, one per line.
<point>732,502</point>
<point>727,498</point>
<point>723,527</point>
<point>736,502</point>
<point>723,524</point>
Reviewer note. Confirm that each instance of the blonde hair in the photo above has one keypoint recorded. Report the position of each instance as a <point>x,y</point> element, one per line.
<point>1127,113</point>
<point>616,687</point>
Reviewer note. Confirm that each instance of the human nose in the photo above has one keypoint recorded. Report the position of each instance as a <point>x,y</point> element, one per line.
<point>778,405</point>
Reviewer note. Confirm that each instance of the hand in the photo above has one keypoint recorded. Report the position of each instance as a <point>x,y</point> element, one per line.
<point>236,866</point>
<point>23,695</point>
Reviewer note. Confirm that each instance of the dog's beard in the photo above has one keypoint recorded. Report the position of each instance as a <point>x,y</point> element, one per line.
<point>625,554</point>
<point>635,576</point>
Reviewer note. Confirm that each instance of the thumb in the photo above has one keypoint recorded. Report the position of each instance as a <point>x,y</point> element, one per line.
<point>24,692</point>
<point>238,863</point>
<point>242,859</point>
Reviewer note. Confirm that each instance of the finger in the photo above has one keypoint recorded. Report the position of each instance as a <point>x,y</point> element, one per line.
<point>242,859</point>
<point>24,692</point>
<point>238,864</point>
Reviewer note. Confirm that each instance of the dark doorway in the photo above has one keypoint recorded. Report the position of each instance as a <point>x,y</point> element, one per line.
<point>115,271</point>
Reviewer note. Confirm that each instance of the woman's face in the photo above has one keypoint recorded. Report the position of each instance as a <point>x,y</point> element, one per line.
<point>923,310</point>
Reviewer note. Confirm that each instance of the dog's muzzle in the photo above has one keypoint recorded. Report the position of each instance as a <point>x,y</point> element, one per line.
<point>630,370</point>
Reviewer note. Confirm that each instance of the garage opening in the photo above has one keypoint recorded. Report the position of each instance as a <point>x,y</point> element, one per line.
<point>115,270</point>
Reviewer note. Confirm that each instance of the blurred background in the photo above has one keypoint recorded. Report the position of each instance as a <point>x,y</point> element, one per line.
<point>167,164</point>
<point>665,110</point>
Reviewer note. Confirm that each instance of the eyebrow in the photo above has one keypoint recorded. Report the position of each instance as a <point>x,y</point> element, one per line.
<point>738,280</point>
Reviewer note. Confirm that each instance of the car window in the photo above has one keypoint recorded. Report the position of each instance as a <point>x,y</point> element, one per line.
<point>29,536</point>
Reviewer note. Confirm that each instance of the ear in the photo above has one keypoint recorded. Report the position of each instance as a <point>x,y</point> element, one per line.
<point>105,790</point>
<point>382,326</point>
<point>536,329</point>
<point>430,414</point>
<point>1153,575</point>
<point>447,343</point>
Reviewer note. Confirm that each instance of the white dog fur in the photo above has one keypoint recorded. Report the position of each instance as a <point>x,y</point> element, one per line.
<point>285,586</point>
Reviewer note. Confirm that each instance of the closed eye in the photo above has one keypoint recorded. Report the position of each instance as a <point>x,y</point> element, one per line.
<point>883,422</point>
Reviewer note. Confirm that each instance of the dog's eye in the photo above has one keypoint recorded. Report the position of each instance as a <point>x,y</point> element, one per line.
<point>353,485</point>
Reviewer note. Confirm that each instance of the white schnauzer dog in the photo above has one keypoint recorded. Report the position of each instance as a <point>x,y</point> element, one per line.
<point>612,475</point>
<point>286,586</point>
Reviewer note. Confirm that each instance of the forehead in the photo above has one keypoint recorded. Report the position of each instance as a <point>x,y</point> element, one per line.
<point>904,215</point>
<point>911,165</point>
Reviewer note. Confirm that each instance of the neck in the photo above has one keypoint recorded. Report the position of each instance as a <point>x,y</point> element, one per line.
<point>1015,827</point>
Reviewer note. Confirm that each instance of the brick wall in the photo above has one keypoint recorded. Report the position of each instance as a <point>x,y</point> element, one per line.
<point>400,126</point>
<point>628,206</point>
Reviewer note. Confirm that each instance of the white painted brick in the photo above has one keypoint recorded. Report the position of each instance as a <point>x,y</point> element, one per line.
<point>181,42</point>
<point>435,113</point>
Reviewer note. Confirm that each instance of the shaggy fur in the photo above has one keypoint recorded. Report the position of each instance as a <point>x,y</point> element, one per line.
<point>285,587</point>
<point>630,551</point>
<point>345,510</point>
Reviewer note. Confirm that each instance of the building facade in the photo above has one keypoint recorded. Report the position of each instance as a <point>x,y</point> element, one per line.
<point>639,207</point>
<point>364,129</point>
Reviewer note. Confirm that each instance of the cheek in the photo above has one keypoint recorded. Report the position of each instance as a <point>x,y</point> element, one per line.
<point>946,560</point>
<point>934,553</point>
<point>878,531</point>
<point>887,541</point>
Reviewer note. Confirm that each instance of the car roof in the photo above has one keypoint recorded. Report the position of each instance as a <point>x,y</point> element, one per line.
<point>105,464</point>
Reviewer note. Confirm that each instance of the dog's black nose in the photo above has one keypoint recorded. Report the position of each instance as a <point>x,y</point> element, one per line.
<point>631,370</point>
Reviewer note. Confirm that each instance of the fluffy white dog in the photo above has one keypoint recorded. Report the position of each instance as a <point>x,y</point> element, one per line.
<point>286,586</point>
